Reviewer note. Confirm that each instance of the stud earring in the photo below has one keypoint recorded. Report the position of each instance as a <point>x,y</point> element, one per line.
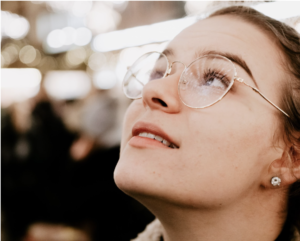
<point>275,181</point>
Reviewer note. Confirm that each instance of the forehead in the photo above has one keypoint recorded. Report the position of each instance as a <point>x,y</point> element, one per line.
<point>234,35</point>
<point>225,33</point>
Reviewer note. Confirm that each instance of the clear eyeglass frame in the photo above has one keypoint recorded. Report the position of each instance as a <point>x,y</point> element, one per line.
<point>169,69</point>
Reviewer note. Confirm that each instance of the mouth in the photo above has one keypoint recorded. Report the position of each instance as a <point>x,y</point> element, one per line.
<point>150,131</point>
<point>158,138</point>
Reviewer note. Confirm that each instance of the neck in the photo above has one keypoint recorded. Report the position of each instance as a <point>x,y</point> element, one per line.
<point>250,219</point>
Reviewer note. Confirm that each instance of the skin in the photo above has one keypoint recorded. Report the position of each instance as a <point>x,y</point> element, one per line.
<point>216,186</point>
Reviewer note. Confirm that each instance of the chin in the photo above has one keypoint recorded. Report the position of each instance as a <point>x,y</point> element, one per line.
<point>138,178</point>
<point>123,177</point>
<point>143,183</point>
<point>130,177</point>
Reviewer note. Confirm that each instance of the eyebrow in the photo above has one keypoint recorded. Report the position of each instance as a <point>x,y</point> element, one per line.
<point>233,57</point>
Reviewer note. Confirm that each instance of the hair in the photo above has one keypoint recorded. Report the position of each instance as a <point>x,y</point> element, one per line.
<point>288,41</point>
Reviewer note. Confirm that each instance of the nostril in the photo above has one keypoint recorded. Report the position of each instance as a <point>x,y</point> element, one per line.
<point>156,100</point>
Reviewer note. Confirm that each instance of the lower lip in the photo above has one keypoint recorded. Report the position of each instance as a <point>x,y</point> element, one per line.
<point>143,142</point>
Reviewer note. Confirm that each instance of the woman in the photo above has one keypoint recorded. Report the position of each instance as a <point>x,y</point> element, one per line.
<point>207,155</point>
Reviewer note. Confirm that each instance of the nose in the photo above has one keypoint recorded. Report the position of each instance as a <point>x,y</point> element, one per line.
<point>162,94</point>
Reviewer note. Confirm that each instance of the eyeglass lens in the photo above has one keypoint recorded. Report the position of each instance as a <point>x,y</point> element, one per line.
<point>203,83</point>
<point>148,67</point>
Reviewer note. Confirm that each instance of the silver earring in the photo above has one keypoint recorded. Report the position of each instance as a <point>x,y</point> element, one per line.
<point>275,181</point>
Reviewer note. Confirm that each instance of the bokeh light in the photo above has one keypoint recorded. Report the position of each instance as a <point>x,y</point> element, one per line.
<point>103,18</point>
<point>37,60</point>
<point>60,6</point>
<point>27,54</point>
<point>298,27</point>
<point>68,36</point>
<point>81,8</point>
<point>96,61</point>
<point>9,54</point>
<point>13,25</point>
<point>120,5</point>
<point>63,85</point>
<point>279,9</point>
<point>129,55</point>
<point>137,36</point>
<point>105,79</point>
<point>19,84</point>
<point>56,38</point>
<point>75,57</point>
<point>195,7</point>
<point>82,36</point>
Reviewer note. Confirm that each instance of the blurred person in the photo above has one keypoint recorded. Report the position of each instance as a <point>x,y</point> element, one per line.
<point>211,143</point>
<point>57,172</point>
<point>96,151</point>
<point>33,160</point>
<point>96,122</point>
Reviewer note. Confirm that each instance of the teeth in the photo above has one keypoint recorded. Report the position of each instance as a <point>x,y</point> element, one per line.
<point>149,135</point>
<point>165,142</point>
<point>158,138</point>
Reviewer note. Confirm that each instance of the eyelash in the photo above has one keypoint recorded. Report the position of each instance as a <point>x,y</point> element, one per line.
<point>221,77</point>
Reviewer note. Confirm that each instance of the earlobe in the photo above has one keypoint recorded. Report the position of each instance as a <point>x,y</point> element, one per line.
<point>286,169</point>
<point>276,181</point>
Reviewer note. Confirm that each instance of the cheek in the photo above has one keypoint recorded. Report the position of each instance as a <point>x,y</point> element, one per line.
<point>228,153</point>
<point>221,158</point>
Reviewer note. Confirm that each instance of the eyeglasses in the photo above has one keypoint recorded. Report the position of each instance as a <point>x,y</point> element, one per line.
<point>203,83</point>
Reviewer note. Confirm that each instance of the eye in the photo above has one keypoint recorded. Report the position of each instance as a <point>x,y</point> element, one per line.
<point>215,79</point>
<point>156,74</point>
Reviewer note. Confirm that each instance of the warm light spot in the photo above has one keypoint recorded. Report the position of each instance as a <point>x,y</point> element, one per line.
<point>19,84</point>
<point>56,38</point>
<point>63,85</point>
<point>106,79</point>
<point>75,57</point>
<point>96,61</point>
<point>82,36</point>
<point>27,54</point>
<point>13,25</point>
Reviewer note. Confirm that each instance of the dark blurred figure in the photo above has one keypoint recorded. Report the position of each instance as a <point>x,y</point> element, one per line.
<point>33,166</point>
<point>42,185</point>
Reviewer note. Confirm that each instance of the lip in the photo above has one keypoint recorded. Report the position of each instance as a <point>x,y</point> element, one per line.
<point>140,127</point>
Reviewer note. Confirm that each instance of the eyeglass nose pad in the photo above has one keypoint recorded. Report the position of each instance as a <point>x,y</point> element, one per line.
<point>169,71</point>
<point>170,68</point>
<point>183,80</point>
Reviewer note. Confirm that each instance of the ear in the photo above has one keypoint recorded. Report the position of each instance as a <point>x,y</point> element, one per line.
<point>287,168</point>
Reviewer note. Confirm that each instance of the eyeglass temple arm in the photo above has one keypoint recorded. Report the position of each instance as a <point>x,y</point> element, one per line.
<point>128,68</point>
<point>262,95</point>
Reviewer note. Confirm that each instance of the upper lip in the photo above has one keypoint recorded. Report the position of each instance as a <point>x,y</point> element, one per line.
<point>140,127</point>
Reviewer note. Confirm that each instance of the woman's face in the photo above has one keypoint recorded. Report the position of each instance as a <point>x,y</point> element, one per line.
<point>224,151</point>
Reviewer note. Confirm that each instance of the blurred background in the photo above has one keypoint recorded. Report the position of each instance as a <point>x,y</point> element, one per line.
<point>62,65</point>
